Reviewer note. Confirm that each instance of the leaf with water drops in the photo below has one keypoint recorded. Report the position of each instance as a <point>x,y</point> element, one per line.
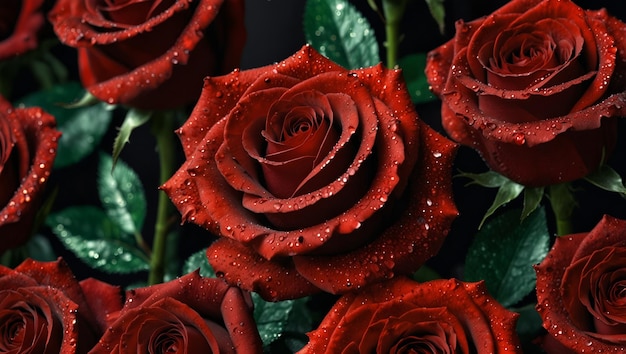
<point>413,72</point>
<point>337,30</point>
<point>89,233</point>
<point>438,12</point>
<point>82,126</point>
<point>122,195</point>
<point>134,119</point>
<point>199,260</point>
<point>503,254</point>
<point>276,319</point>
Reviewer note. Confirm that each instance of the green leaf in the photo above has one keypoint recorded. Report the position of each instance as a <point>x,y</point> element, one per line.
<point>424,274</point>
<point>413,71</point>
<point>532,199</point>
<point>122,195</point>
<point>338,31</point>
<point>608,179</point>
<point>96,240</point>
<point>199,260</point>
<point>438,12</point>
<point>529,323</point>
<point>503,254</point>
<point>507,190</point>
<point>273,319</point>
<point>39,248</point>
<point>82,127</point>
<point>134,119</point>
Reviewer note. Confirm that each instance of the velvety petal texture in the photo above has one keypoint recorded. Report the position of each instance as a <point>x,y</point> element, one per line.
<point>535,88</point>
<point>151,54</point>
<point>404,316</point>
<point>316,177</point>
<point>190,314</point>
<point>581,289</point>
<point>20,22</point>
<point>28,142</point>
<point>44,309</point>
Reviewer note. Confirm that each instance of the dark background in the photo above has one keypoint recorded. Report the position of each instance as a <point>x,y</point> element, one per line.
<point>274,33</point>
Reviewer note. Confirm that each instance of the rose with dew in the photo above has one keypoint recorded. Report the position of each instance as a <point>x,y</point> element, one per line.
<point>45,309</point>
<point>150,54</point>
<point>20,21</point>
<point>316,177</point>
<point>580,290</point>
<point>535,88</point>
<point>28,141</point>
<point>404,316</point>
<point>190,314</point>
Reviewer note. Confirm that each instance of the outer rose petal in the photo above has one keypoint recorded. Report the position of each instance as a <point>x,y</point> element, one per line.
<point>553,295</point>
<point>489,327</point>
<point>205,197</point>
<point>23,36</point>
<point>530,148</point>
<point>35,150</point>
<point>210,43</point>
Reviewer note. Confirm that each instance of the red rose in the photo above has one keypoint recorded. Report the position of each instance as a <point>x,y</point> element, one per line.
<point>185,315</point>
<point>534,88</point>
<point>151,54</point>
<point>28,141</point>
<point>316,177</point>
<point>581,289</point>
<point>20,20</point>
<point>44,309</point>
<point>404,316</point>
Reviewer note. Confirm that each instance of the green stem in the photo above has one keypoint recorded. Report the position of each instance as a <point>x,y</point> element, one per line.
<point>163,130</point>
<point>563,204</point>
<point>393,11</point>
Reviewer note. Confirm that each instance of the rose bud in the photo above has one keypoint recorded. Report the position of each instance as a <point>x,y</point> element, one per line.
<point>535,88</point>
<point>316,177</point>
<point>44,309</point>
<point>404,316</point>
<point>28,141</point>
<point>150,54</point>
<point>580,290</point>
<point>190,314</point>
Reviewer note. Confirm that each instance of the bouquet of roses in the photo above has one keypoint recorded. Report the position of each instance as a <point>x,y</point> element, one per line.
<point>165,188</point>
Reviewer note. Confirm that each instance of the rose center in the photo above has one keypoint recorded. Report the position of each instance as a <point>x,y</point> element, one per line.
<point>127,11</point>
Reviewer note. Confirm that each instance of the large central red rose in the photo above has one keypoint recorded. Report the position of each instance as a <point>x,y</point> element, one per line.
<point>316,177</point>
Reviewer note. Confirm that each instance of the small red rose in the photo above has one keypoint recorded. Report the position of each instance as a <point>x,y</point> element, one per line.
<point>316,177</point>
<point>151,54</point>
<point>581,289</point>
<point>404,316</point>
<point>20,22</point>
<point>535,88</point>
<point>190,314</point>
<point>28,141</point>
<point>44,309</point>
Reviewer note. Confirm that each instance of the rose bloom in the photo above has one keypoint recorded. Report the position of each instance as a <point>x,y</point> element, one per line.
<point>316,177</point>
<point>404,316</point>
<point>44,309</point>
<point>20,20</point>
<point>190,314</point>
<point>580,290</point>
<point>28,141</point>
<point>535,88</point>
<point>150,54</point>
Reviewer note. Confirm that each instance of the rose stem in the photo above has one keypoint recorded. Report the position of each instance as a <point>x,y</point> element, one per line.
<point>163,130</point>
<point>563,203</point>
<point>393,11</point>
